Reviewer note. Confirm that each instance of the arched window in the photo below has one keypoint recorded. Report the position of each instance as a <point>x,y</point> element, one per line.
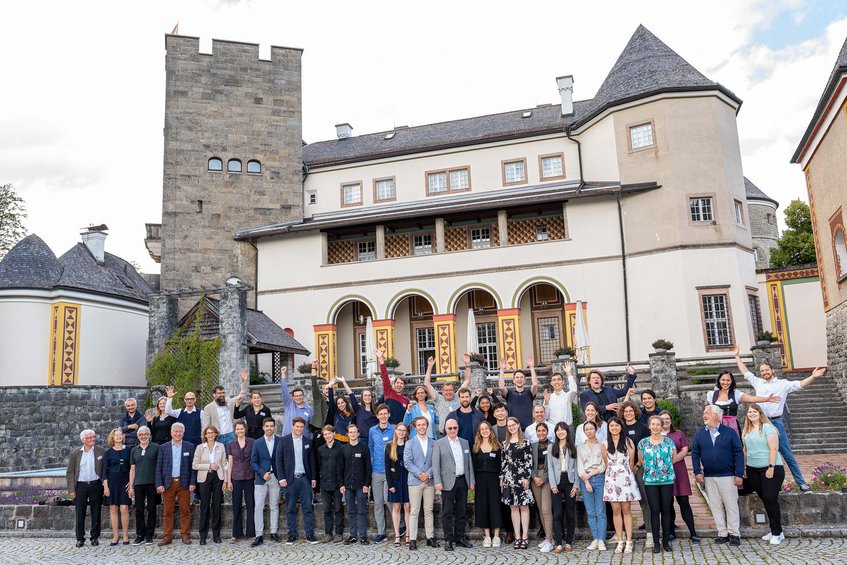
<point>840,253</point>
<point>233,166</point>
<point>254,167</point>
<point>215,164</point>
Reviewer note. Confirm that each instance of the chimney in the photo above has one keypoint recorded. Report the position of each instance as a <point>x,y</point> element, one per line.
<point>565,85</point>
<point>343,131</point>
<point>94,238</point>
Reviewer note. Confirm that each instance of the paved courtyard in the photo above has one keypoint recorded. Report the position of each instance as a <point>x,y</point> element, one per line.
<point>62,550</point>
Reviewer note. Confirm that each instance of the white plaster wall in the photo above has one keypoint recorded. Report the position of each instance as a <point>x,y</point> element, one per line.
<point>24,342</point>
<point>806,323</point>
<point>112,346</point>
<point>599,158</point>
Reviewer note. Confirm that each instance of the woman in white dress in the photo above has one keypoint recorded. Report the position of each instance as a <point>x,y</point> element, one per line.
<point>620,488</point>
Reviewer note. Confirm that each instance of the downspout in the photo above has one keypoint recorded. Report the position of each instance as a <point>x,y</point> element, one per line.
<point>623,265</point>
<point>578,154</point>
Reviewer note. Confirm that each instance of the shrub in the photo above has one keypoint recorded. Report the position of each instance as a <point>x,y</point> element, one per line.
<point>576,417</point>
<point>564,352</point>
<point>766,336</point>
<point>478,358</point>
<point>662,344</point>
<point>392,362</point>
<point>676,417</point>
<point>258,377</point>
<point>829,477</point>
<point>304,368</point>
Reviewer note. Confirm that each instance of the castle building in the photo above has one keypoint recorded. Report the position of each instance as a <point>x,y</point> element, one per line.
<point>761,213</point>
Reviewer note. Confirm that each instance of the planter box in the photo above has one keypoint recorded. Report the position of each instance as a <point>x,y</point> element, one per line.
<point>818,509</point>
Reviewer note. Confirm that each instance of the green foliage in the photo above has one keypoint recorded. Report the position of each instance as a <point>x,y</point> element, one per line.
<point>12,214</point>
<point>676,417</point>
<point>258,377</point>
<point>796,246</point>
<point>391,362</point>
<point>564,352</point>
<point>304,368</point>
<point>576,416</point>
<point>663,344</point>
<point>766,336</point>
<point>188,363</point>
<point>701,368</point>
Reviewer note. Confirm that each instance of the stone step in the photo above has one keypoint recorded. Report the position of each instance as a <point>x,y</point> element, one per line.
<point>817,450</point>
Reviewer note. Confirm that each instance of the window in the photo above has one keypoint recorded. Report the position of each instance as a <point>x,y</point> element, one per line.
<point>715,313</point>
<point>552,166</point>
<point>422,244</point>
<point>758,254</point>
<point>254,167</point>
<point>514,172</point>
<point>384,190</point>
<point>233,166</point>
<point>216,164</point>
<point>755,313</point>
<point>425,346</point>
<point>312,197</point>
<point>840,244</point>
<point>641,136</point>
<point>366,251</point>
<point>739,213</point>
<point>442,182</point>
<point>771,219</point>
<point>486,334</point>
<point>541,233</point>
<point>362,350</point>
<point>351,194</point>
<point>480,238</point>
<point>701,209</point>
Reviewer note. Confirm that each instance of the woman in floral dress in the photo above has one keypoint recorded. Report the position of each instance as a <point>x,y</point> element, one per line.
<point>656,453</point>
<point>514,479</point>
<point>620,488</point>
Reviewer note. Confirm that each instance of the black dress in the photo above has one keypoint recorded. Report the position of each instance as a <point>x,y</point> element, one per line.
<point>397,476</point>
<point>486,468</point>
<point>116,475</point>
<point>161,429</point>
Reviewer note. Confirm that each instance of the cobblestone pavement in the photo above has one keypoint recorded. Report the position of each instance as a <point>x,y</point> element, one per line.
<point>62,550</point>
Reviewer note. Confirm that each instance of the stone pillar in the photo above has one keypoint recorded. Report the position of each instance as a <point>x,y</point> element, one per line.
<point>439,235</point>
<point>445,342</point>
<point>232,357</point>
<point>503,227</point>
<point>380,242</point>
<point>384,336</point>
<point>771,353</point>
<point>836,337</point>
<point>509,337</point>
<point>325,350</point>
<point>478,380</point>
<point>164,316</point>
<point>663,371</point>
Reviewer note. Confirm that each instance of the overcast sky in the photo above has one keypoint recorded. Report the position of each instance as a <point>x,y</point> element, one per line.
<point>82,97</point>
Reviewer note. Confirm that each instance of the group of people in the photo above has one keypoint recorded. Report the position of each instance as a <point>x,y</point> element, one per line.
<point>516,454</point>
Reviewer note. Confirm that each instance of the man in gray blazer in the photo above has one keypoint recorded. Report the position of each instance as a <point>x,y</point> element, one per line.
<point>84,477</point>
<point>452,473</point>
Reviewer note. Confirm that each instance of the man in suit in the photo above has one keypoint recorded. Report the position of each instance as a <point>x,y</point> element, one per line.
<point>84,478</point>
<point>296,461</point>
<point>263,459</point>
<point>130,422</point>
<point>452,473</point>
<point>219,411</point>
<point>417,458</point>
<point>718,448</point>
<point>175,480</point>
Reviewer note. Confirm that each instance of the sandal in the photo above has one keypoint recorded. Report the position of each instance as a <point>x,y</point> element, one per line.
<point>628,547</point>
<point>517,544</point>
<point>397,542</point>
<point>407,540</point>
<point>619,548</point>
<point>524,544</point>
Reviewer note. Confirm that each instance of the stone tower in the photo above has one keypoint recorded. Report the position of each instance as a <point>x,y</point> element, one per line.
<point>761,211</point>
<point>232,158</point>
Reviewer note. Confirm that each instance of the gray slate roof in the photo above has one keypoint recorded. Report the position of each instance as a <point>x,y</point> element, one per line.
<point>755,193</point>
<point>645,67</point>
<point>834,76</point>
<point>31,264</point>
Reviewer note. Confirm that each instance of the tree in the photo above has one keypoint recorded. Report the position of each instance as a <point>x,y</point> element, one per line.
<point>796,246</point>
<point>12,214</point>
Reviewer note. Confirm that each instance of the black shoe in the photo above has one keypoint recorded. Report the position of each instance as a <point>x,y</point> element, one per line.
<point>138,541</point>
<point>657,549</point>
<point>448,546</point>
<point>734,540</point>
<point>349,541</point>
<point>695,538</point>
<point>80,543</point>
<point>364,541</point>
<point>312,539</point>
<point>667,546</point>
<point>672,536</point>
<point>291,540</point>
<point>641,527</point>
<point>113,544</point>
<point>202,541</point>
<point>432,543</point>
<point>464,543</point>
<point>216,539</point>
<point>379,539</point>
<point>723,539</point>
<point>95,542</point>
<point>413,544</point>
<point>276,538</point>
<point>258,541</point>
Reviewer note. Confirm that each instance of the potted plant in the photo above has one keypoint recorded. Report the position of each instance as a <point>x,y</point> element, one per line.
<point>765,338</point>
<point>304,368</point>
<point>477,358</point>
<point>564,353</point>
<point>392,363</point>
<point>662,345</point>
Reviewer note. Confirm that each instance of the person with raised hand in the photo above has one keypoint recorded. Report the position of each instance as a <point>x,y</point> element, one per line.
<point>606,397</point>
<point>392,392</point>
<point>518,397</point>
<point>294,404</point>
<point>190,416</point>
<point>559,402</point>
<point>445,401</point>
<point>219,412</point>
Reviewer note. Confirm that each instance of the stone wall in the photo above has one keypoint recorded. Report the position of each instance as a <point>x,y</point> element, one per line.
<point>836,340</point>
<point>40,425</point>
<point>798,509</point>
<point>765,234</point>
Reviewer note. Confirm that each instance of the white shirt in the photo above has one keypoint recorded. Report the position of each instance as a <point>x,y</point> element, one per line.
<point>458,457</point>
<point>225,419</point>
<point>559,406</point>
<point>580,438</point>
<point>532,437</point>
<point>424,441</point>
<point>270,444</point>
<point>210,453</point>
<point>780,387</point>
<point>298,454</point>
<point>87,471</point>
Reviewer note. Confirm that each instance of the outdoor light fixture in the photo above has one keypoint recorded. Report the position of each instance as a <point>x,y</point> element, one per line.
<point>234,281</point>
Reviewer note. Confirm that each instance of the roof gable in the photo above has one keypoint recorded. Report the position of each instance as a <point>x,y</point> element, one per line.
<point>753,192</point>
<point>30,264</point>
<point>114,277</point>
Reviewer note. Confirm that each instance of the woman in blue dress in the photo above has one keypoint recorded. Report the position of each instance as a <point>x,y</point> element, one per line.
<point>396,476</point>
<point>116,483</point>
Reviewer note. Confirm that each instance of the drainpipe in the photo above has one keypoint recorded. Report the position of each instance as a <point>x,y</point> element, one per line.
<point>578,154</point>
<point>623,265</point>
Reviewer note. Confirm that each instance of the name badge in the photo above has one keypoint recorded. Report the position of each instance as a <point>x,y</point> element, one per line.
<point>261,413</point>
<point>99,457</point>
<point>306,446</point>
<point>357,455</point>
<point>631,432</point>
<point>492,454</point>
<point>385,439</point>
<point>542,453</point>
<point>186,454</point>
<point>466,451</point>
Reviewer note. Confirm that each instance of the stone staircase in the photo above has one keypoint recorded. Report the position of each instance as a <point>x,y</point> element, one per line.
<point>817,420</point>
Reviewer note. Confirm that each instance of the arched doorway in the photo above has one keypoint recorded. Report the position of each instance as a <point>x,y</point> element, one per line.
<point>351,322</point>
<point>484,306</point>
<point>414,330</point>
<point>543,321</point>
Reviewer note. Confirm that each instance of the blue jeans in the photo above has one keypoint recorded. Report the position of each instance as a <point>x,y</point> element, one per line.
<point>594,506</point>
<point>787,455</point>
<point>226,438</point>
<point>299,490</point>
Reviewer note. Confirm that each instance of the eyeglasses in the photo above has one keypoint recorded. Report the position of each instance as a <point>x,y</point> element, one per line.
<point>452,427</point>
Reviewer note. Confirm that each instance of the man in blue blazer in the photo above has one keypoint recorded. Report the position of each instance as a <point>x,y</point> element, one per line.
<point>263,459</point>
<point>296,462</point>
<point>175,479</point>
<point>417,458</point>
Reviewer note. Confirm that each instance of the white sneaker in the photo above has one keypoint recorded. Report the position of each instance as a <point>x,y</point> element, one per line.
<point>593,545</point>
<point>648,541</point>
<point>486,541</point>
<point>776,539</point>
<point>601,546</point>
<point>495,541</point>
<point>767,537</point>
<point>546,547</point>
